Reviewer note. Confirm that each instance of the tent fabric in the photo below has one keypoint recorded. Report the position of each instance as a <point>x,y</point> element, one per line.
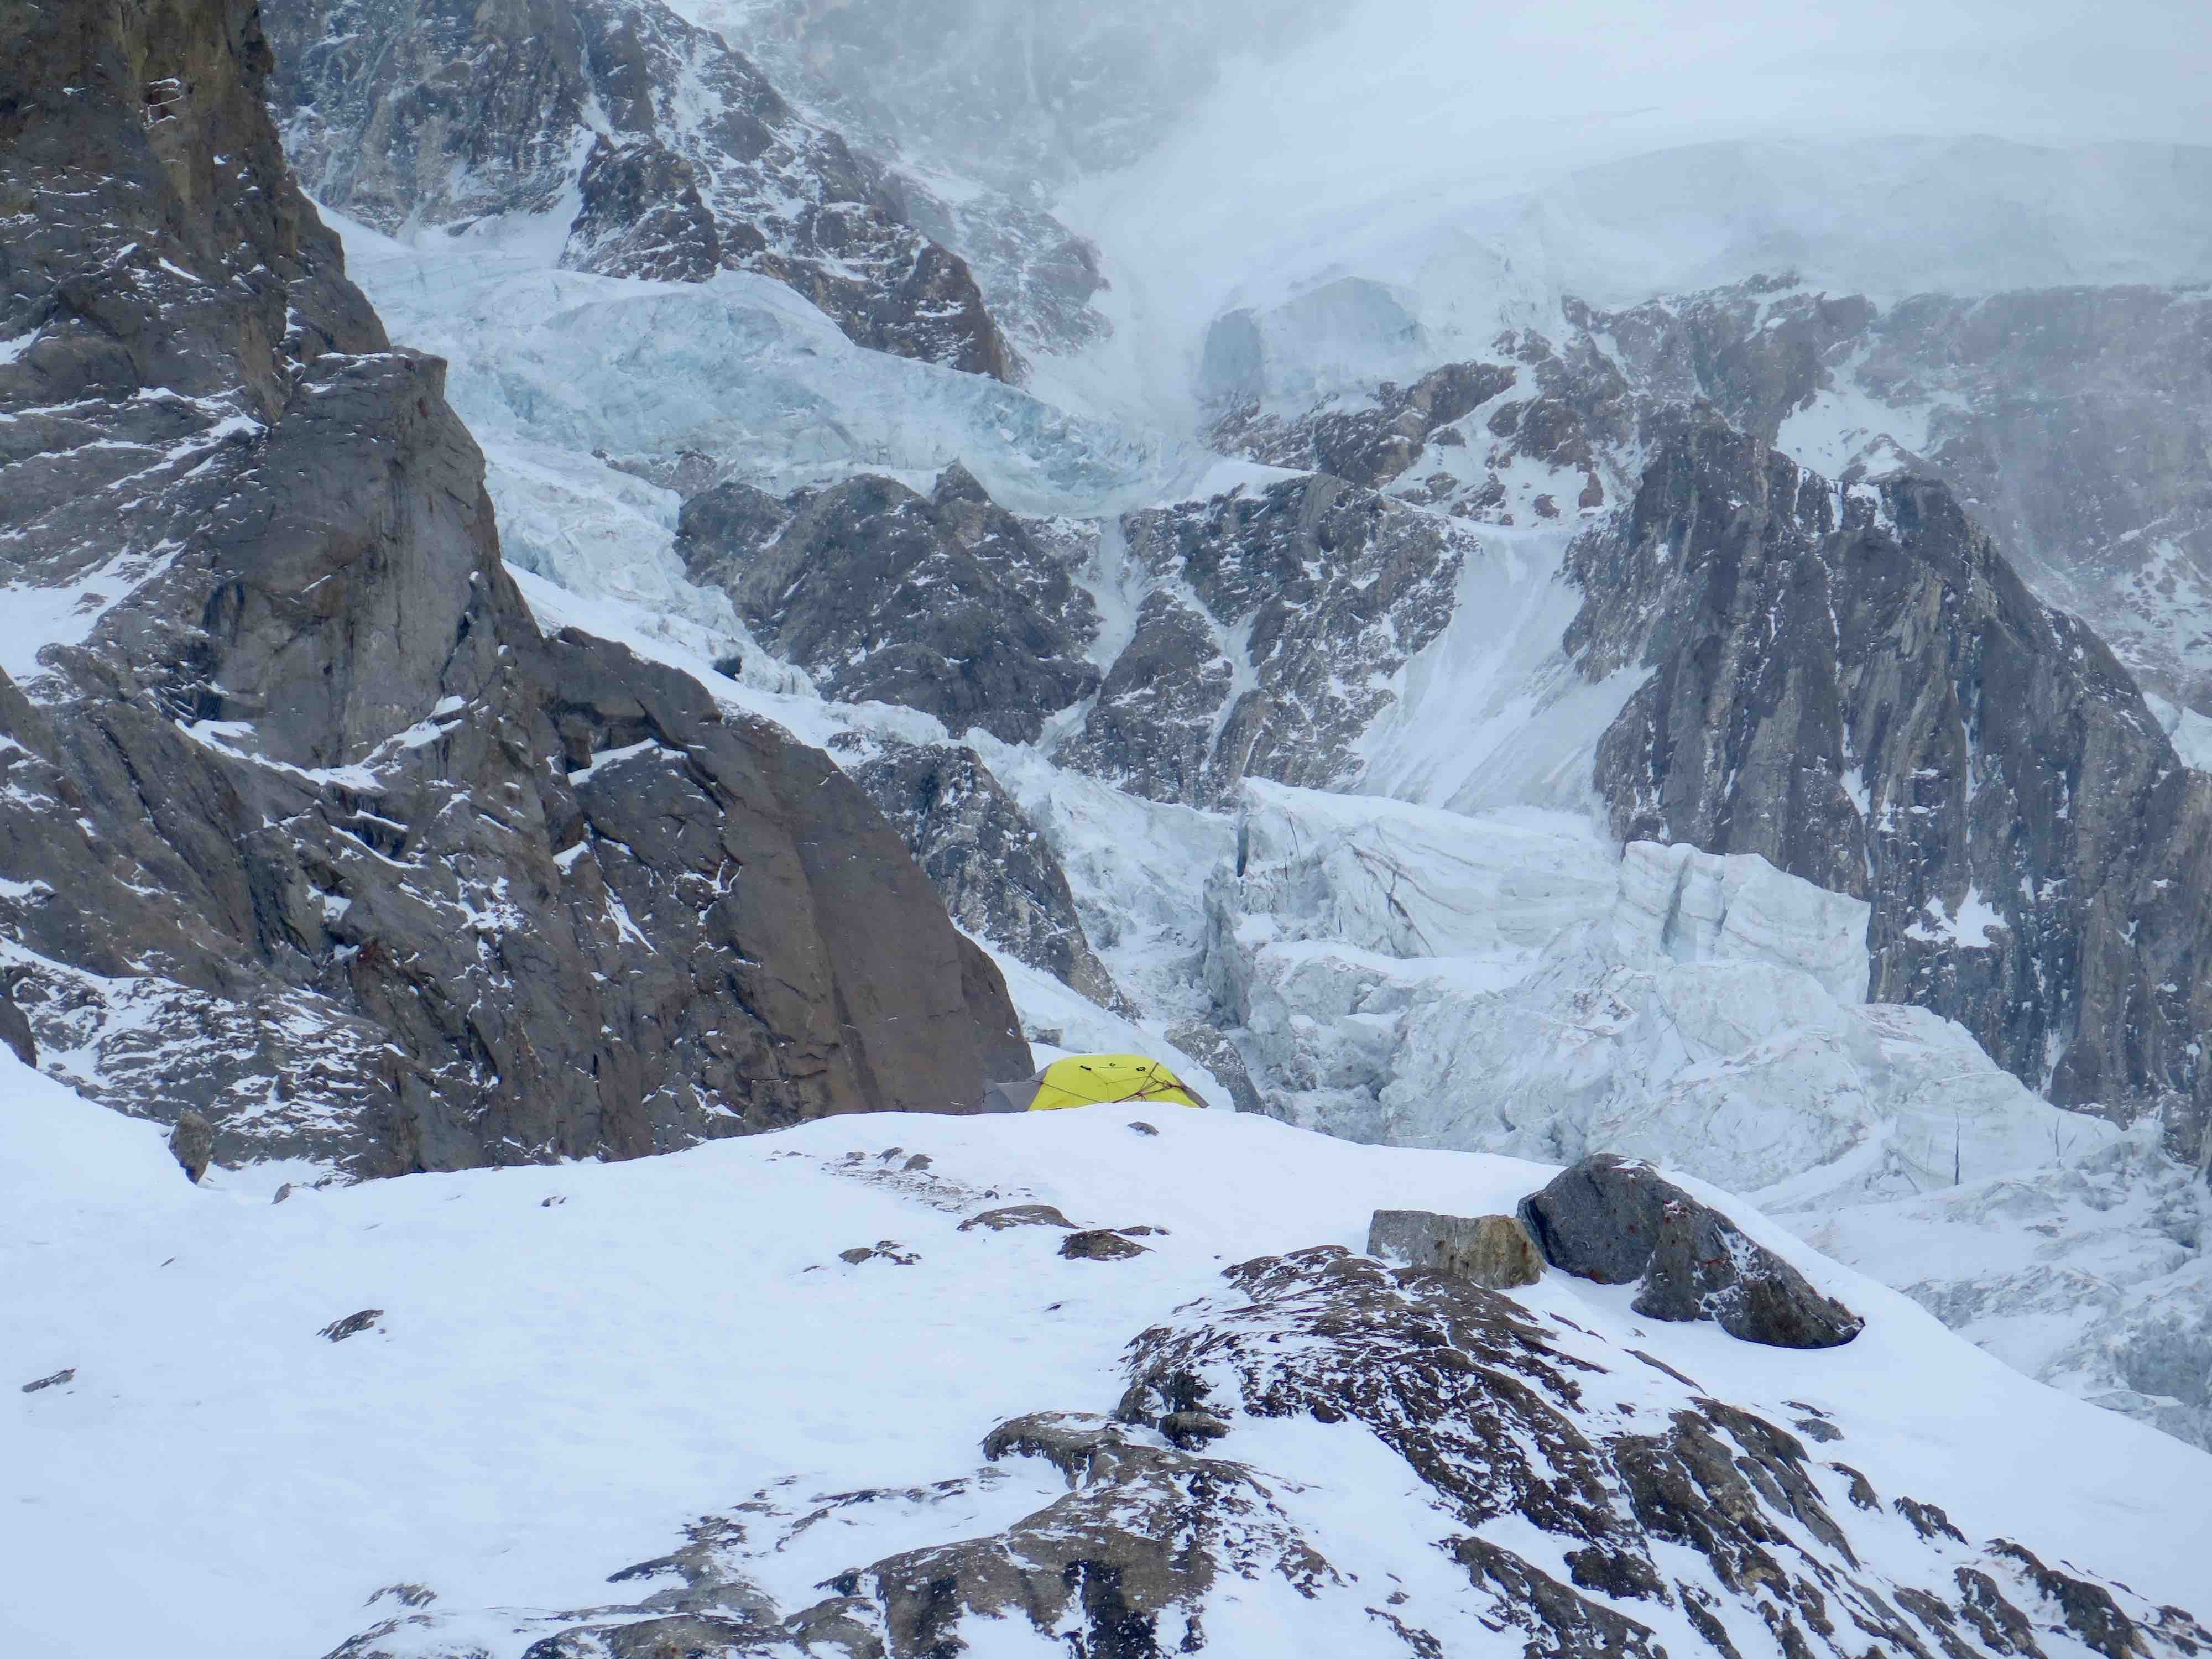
<point>1012,1096</point>
<point>1088,1080</point>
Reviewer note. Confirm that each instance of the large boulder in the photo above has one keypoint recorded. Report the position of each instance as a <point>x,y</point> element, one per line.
<point>1493,1251</point>
<point>1619,1222</point>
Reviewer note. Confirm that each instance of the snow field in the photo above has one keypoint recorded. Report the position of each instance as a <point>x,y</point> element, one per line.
<point>571,1363</point>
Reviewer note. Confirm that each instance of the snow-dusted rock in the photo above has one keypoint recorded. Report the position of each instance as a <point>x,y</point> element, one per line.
<point>664,153</point>
<point>945,602</point>
<point>1270,629</point>
<point>1620,1223</point>
<point>306,827</point>
<point>1854,682</point>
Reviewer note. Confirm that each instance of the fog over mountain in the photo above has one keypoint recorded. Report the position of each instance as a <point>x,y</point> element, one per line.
<point>1594,622</point>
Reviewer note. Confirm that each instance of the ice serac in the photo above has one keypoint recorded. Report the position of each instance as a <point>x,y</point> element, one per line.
<point>306,827</point>
<point>1852,682</point>
<point>1504,982</point>
<point>1270,628</point>
<point>671,154</point>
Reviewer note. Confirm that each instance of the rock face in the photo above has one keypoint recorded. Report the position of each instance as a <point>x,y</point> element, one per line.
<point>685,159</point>
<point>14,1030</point>
<point>989,863</point>
<point>2073,422</point>
<point>1493,1251</point>
<point>1369,446</point>
<point>946,603</point>
<point>1618,1222</point>
<point>1265,645</point>
<point>1683,1524</point>
<point>1852,682</point>
<point>307,827</point>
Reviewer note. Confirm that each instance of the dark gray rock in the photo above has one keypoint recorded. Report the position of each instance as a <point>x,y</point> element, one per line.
<point>1213,1048</point>
<point>1703,1268</point>
<point>191,1143</point>
<point>1493,1251</point>
<point>318,835</point>
<point>15,1027</point>
<point>1193,1430</point>
<point>352,1325</point>
<point>946,603</point>
<point>443,111</point>
<point>1373,445</point>
<point>1599,1220</point>
<point>2075,424</point>
<point>1853,683</point>
<point>888,1250</point>
<point>1619,1222</point>
<point>1325,589</point>
<point>642,216</point>
<point>988,862</point>
<point>1038,278</point>
<point>1099,1244</point>
<point>1152,729</point>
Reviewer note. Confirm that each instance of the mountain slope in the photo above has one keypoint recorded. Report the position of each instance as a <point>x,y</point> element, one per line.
<point>308,827</point>
<point>655,148</point>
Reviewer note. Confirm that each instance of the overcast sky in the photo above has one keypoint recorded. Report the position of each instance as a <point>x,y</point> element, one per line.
<point>1465,85</point>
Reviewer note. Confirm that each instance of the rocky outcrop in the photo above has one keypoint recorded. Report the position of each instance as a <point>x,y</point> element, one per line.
<point>686,159</point>
<point>1619,1223</point>
<point>1266,642</point>
<point>14,1030</point>
<point>1038,278</point>
<point>946,603</point>
<point>989,862</point>
<point>1853,683</point>
<point>306,826</point>
<point>191,1143</point>
<point>1371,444</point>
<point>1493,1251</point>
<point>1579,1522</point>
<point>2073,422</point>
<point>642,216</point>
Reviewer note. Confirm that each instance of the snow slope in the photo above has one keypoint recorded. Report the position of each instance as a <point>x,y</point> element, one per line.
<point>570,1364</point>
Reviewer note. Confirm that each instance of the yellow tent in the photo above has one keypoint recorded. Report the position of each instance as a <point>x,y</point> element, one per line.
<point>1089,1079</point>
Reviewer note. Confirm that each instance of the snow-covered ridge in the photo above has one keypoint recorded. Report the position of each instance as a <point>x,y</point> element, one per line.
<point>534,1388</point>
